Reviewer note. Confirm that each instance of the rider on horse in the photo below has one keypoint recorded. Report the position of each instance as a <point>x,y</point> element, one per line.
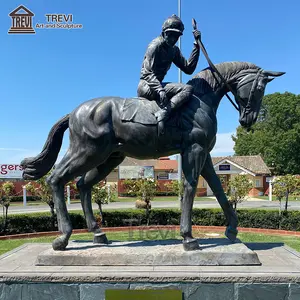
<point>159,56</point>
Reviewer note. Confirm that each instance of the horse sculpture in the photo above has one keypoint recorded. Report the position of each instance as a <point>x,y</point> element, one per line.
<point>104,131</point>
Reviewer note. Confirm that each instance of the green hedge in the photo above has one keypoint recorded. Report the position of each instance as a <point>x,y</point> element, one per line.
<point>269,219</point>
<point>28,198</point>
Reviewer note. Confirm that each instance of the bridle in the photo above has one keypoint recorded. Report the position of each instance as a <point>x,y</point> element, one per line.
<point>253,88</point>
<point>213,68</point>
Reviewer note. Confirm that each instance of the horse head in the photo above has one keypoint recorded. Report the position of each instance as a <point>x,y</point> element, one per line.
<point>250,88</point>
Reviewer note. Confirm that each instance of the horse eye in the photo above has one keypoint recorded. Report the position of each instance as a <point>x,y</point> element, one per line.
<point>260,87</point>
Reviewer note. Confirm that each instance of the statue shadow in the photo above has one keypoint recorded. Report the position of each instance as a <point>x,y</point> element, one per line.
<point>263,246</point>
<point>204,244</point>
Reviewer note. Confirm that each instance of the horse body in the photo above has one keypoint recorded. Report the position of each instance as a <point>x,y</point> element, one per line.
<point>100,140</point>
<point>101,116</point>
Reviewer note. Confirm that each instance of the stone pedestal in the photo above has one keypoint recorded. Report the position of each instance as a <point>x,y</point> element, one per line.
<point>214,252</point>
<point>277,278</point>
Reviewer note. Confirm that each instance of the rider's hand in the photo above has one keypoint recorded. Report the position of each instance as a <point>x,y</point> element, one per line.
<point>163,98</point>
<point>197,34</point>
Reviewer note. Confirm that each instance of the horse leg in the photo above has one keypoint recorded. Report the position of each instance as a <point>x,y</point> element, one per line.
<point>77,160</point>
<point>85,185</point>
<point>57,182</point>
<point>209,174</point>
<point>192,161</point>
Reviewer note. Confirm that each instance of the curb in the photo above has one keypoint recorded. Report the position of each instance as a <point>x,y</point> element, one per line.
<point>136,228</point>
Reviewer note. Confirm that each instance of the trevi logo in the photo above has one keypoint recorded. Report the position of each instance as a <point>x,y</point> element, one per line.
<point>22,21</point>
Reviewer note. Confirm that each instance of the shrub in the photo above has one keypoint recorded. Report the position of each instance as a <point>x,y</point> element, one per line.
<point>268,219</point>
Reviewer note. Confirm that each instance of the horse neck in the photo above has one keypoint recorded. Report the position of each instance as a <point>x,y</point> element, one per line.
<point>229,71</point>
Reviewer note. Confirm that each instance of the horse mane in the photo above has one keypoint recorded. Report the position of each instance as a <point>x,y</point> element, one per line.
<point>204,81</point>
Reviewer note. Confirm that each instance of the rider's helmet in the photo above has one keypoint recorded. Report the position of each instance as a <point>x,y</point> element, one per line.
<point>173,23</point>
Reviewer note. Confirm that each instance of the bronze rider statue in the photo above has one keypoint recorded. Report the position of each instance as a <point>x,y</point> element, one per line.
<point>160,54</point>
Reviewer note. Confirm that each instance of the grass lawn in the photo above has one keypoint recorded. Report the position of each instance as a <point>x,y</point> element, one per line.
<point>34,203</point>
<point>291,198</point>
<point>292,241</point>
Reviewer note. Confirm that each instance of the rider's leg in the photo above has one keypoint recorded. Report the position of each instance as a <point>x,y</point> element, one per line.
<point>144,91</point>
<point>177,93</point>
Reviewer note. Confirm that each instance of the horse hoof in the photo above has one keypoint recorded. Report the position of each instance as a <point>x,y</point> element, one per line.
<point>60,243</point>
<point>100,238</point>
<point>190,245</point>
<point>231,234</point>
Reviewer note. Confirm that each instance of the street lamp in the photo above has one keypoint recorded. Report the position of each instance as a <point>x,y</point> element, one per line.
<point>179,158</point>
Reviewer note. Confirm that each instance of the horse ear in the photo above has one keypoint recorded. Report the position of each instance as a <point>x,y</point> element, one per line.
<point>269,79</point>
<point>272,73</point>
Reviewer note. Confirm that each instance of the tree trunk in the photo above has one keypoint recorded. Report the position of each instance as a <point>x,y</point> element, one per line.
<point>148,214</point>
<point>279,225</point>
<point>5,220</point>
<point>52,215</point>
<point>286,201</point>
<point>101,214</point>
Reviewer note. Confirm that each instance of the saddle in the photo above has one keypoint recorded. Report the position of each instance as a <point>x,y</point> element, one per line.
<point>139,110</point>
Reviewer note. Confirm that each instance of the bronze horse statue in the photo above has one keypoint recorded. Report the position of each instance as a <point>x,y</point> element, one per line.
<point>103,131</point>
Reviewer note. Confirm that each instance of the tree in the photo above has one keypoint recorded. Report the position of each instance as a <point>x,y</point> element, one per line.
<point>285,186</point>
<point>238,189</point>
<point>6,193</point>
<point>101,195</point>
<point>145,189</point>
<point>276,134</point>
<point>43,190</point>
<point>175,187</point>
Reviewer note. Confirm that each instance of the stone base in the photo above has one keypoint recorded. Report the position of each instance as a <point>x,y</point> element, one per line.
<point>277,278</point>
<point>213,252</point>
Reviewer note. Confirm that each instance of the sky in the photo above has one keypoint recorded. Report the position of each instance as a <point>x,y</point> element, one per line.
<point>48,74</point>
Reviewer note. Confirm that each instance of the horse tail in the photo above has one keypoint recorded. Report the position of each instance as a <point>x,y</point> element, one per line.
<point>36,167</point>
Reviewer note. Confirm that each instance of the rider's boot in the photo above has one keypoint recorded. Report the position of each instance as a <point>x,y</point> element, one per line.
<point>162,116</point>
<point>175,102</point>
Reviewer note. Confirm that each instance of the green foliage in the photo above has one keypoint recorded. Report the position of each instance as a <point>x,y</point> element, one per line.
<point>238,189</point>
<point>285,186</point>
<point>267,219</point>
<point>41,190</point>
<point>6,193</point>
<point>40,222</point>
<point>175,187</point>
<point>276,135</point>
<point>101,195</point>
<point>144,188</point>
<point>28,198</point>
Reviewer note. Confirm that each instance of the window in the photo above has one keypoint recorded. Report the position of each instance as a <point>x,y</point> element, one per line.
<point>257,183</point>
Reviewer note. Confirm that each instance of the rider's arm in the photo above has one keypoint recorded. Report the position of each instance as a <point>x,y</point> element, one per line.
<point>148,73</point>
<point>187,66</point>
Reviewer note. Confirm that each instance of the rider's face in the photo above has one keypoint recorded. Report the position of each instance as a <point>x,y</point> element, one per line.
<point>171,37</point>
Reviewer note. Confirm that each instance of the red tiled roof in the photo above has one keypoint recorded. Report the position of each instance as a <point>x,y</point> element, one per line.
<point>170,164</point>
<point>253,163</point>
